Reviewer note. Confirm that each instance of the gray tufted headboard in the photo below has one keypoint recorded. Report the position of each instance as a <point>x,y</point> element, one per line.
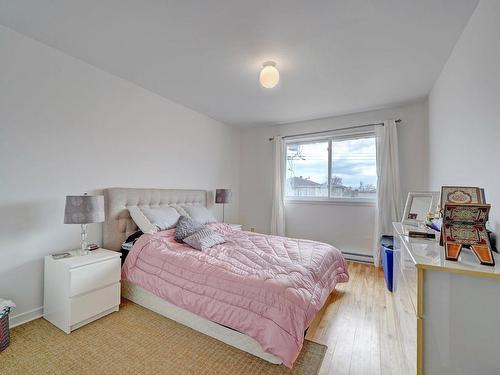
<point>119,225</point>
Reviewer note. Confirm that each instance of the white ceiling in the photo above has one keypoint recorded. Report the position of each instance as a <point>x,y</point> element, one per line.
<point>335,56</point>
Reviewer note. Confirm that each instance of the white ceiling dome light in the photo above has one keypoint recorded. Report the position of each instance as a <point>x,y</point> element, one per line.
<point>269,75</point>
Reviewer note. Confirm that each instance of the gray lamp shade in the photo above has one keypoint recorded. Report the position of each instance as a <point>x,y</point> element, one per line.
<point>223,195</point>
<point>84,209</point>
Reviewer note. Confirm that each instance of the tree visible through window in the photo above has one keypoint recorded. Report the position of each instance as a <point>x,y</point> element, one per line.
<point>335,167</point>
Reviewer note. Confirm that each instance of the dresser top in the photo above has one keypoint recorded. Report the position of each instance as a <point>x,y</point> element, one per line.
<point>426,253</point>
<point>95,256</point>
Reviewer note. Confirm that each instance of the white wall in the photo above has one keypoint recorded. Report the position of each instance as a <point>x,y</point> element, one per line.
<point>464,111</point>
<point>349,227</point>
<point>66,128</point>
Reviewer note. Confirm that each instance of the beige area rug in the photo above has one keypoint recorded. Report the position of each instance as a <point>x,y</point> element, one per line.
<point>136,341</point>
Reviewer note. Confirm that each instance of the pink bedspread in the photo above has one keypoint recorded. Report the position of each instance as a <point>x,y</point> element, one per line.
<point>266,287</point>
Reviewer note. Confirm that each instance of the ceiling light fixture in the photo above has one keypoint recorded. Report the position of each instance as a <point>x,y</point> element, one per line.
<point>269,75</point>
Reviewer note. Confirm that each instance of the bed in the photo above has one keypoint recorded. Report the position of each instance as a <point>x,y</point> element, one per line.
<point>256,292</point>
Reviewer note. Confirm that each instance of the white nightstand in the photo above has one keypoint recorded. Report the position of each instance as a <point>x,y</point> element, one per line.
<point>235,226</point>
<point>81,289</point>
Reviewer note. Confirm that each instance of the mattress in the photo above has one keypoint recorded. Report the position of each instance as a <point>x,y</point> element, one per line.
<point>266,287</point>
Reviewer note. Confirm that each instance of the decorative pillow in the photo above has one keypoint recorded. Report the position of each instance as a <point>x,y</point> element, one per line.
<point>186,227</point>
<point>204,239</point>
<point>199,213</point>
<point>141,220</point>
<point>162,217</point>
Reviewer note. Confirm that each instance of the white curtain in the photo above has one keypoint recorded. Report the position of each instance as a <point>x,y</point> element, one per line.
<point>278,208</point>
<point>389,202</point>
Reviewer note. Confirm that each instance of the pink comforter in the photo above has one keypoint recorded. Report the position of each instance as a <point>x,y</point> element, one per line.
<point>266,287</point>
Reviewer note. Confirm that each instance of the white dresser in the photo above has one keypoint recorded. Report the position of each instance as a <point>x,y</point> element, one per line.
<point>447,313</point>
<point>81,289</point>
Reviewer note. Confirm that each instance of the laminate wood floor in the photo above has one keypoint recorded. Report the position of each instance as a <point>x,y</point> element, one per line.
<point>358,326</point>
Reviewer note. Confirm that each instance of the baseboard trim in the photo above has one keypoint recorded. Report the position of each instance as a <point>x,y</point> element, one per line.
<point>25,317</point>
<point>358,257</point>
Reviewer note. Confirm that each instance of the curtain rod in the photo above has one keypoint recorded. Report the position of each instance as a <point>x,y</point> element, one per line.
<point>333,130</point>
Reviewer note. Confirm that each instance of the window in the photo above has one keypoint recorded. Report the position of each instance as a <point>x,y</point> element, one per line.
<point>333,168</point>
<point>307,169</point>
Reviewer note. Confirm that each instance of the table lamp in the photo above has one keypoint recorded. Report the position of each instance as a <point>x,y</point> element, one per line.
<point>223,196</point>
<point>83,210</point>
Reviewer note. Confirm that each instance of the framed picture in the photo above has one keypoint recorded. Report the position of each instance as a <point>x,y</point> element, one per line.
<point>418,203</point>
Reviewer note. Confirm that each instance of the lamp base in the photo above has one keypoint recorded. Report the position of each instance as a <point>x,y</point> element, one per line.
<point>79,252</point>
<point>85,249</point>
<point>83,252</point>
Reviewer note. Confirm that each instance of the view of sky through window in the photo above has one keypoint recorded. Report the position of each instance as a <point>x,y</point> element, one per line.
<point>354,160</point>
<point>353,168</point>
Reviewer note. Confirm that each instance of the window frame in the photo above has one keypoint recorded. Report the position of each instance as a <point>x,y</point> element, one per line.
<point>325,200</point>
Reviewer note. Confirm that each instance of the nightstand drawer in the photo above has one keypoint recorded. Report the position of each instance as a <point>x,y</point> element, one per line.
<point>94,276</point>
<point>96,302</point>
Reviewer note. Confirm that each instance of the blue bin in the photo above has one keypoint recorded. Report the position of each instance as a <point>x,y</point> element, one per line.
<point>387,249</point>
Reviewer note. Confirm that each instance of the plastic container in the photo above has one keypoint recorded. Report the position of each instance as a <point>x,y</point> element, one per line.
<point>387,250</point>
<point>4,329</point>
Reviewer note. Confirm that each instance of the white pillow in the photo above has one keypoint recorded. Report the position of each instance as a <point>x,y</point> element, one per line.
<point>200,214</point>
<point>180,210</point>
<point>162,217</point>
<point>141,220</point>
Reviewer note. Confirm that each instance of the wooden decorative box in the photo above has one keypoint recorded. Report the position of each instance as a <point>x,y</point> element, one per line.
<point>465,214</point>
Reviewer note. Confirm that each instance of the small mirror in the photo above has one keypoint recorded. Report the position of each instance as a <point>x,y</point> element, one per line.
<point>417,206</point>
